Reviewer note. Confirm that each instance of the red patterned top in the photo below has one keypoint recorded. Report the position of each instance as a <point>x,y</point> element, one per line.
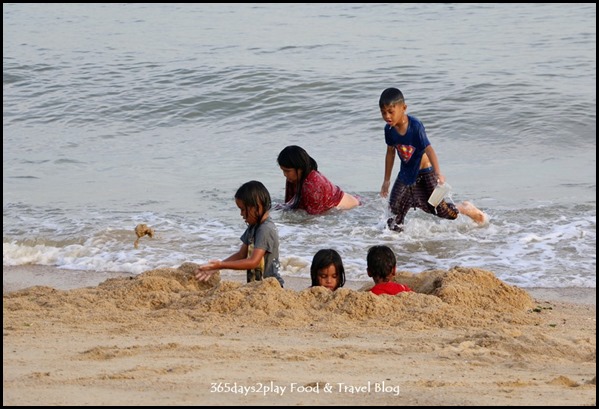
<point>318,193</point>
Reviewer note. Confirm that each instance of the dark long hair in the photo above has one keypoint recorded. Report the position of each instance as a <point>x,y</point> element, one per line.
<point>295,157</point>
<point>254,194</point>
<point>324,258</point>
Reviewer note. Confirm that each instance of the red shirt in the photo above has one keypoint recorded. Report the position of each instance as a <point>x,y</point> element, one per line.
<point>391,288</point>
<point>318,193</point>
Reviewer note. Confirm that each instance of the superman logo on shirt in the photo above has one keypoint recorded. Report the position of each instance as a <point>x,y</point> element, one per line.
<point>405,152</point>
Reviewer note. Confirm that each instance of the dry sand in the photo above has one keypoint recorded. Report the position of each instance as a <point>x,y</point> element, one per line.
<point>161,338</point>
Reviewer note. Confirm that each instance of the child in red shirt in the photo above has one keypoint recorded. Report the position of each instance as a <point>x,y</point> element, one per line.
<point>308,189</point>
<point>381,266</point>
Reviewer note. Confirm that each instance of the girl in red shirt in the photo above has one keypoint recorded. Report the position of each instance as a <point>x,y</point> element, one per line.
<point>306,188</point>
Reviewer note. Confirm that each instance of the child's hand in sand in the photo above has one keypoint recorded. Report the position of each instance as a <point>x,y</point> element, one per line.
<point>205,271</point>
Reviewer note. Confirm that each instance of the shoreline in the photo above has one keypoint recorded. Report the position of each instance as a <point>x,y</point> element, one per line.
<point>15,278</point>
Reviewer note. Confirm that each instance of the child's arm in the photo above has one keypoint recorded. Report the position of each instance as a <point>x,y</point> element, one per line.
<point>237,261</point>
<point>389,160</point>
<point>432,156</point>
<point>242,263</point>
<point>290,189</point>
<point>206,270</point>
<point>289,194</point>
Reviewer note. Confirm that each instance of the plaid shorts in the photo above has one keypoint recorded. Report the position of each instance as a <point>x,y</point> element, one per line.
<point>403,197</point>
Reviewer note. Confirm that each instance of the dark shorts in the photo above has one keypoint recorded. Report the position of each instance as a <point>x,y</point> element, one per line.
<point>403,197</point>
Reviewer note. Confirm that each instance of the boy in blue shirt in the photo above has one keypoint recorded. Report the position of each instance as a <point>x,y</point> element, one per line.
<point>419,171</point>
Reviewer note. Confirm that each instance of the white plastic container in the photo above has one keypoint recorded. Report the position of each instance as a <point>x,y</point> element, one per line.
<point>439,194</point>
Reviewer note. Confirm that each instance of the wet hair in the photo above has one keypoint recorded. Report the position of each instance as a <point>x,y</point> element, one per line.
<point>295,157</point>
<point>380,261</point>
<point>253,194</point>
<point>324,258</point>
<point>390,96</point>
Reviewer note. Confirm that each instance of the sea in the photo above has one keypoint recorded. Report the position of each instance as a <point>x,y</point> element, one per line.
<point>118,114</point>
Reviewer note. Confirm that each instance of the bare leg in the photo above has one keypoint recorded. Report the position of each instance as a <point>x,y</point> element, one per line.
<point>348,202</point>
<point>468,209</point>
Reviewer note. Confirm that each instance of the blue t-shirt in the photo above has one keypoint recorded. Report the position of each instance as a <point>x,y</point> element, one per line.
<point>410,148</point>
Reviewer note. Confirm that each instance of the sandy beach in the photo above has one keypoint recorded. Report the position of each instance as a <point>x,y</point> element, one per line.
<point>161,338</point>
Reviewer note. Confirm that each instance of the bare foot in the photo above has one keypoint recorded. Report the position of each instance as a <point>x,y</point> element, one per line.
<point>473,212</point>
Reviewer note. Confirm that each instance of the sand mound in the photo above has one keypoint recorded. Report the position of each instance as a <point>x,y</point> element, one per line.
<point>458,297</point>
<point>463,333</point>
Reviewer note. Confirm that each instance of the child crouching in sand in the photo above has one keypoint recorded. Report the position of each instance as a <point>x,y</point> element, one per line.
<point>259,251</point>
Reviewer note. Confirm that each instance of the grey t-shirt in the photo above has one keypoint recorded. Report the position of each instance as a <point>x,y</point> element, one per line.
<point>263,236</point>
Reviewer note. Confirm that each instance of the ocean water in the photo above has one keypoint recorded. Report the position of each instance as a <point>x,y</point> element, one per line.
<point>119,114</point>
